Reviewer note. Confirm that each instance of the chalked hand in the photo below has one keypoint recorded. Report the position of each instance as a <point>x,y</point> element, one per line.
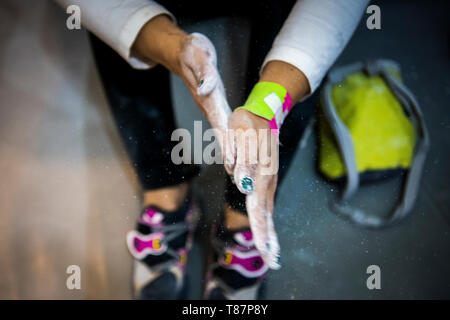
<point>256,125</point>
<point>254,172</point>
<point>198,70</point>
<point>193,58</point>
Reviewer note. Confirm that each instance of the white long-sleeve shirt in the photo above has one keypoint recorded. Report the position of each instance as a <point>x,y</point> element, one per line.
<point>311,39</point>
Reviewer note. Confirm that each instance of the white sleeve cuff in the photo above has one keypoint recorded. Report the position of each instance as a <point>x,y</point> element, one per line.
<point>131,29</point>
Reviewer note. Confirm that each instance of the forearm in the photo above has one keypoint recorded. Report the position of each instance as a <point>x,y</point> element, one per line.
<point>160,40</point>
<point>291,78</point>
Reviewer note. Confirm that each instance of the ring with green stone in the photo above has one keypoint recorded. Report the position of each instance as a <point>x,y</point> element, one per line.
<point>247,184</point>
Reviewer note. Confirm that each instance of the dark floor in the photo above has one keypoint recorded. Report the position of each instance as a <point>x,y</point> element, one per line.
<point>326,257</point>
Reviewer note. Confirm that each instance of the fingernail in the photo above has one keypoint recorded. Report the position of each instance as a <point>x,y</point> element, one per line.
<point>201,83</point>
<point>247,184</point>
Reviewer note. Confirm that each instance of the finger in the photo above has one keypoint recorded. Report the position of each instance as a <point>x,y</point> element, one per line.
<point>258,222</point>
<point>261,222</point>
<point>230,153</point>
<point>273,253</point>
<point>246,159</point>
<point>260,213</point>
<point>260,204</point>
<point>268,173</point>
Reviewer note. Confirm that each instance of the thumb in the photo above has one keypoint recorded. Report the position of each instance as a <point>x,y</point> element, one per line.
<point>260,212</point>
<point>246,141</point>
<point>260,204</point>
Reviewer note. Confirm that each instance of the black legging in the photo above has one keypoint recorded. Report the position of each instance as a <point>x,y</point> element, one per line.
<point>145,117</point>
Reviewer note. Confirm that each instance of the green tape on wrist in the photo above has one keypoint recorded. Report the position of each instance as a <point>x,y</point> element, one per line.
<point>256,101</point>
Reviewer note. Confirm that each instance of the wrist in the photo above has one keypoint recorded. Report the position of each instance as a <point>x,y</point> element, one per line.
<point>160,41</point>
<point>288,76</point>
<point>248,119</point>
<point>271,101</point>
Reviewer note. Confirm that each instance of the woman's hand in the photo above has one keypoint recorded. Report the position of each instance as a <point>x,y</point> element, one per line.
<point>193,58</point>
<point>255,173</point>
<point>258,179</point>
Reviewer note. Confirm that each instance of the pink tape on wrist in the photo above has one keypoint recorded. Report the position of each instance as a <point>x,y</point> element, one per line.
<point>280,115</point>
